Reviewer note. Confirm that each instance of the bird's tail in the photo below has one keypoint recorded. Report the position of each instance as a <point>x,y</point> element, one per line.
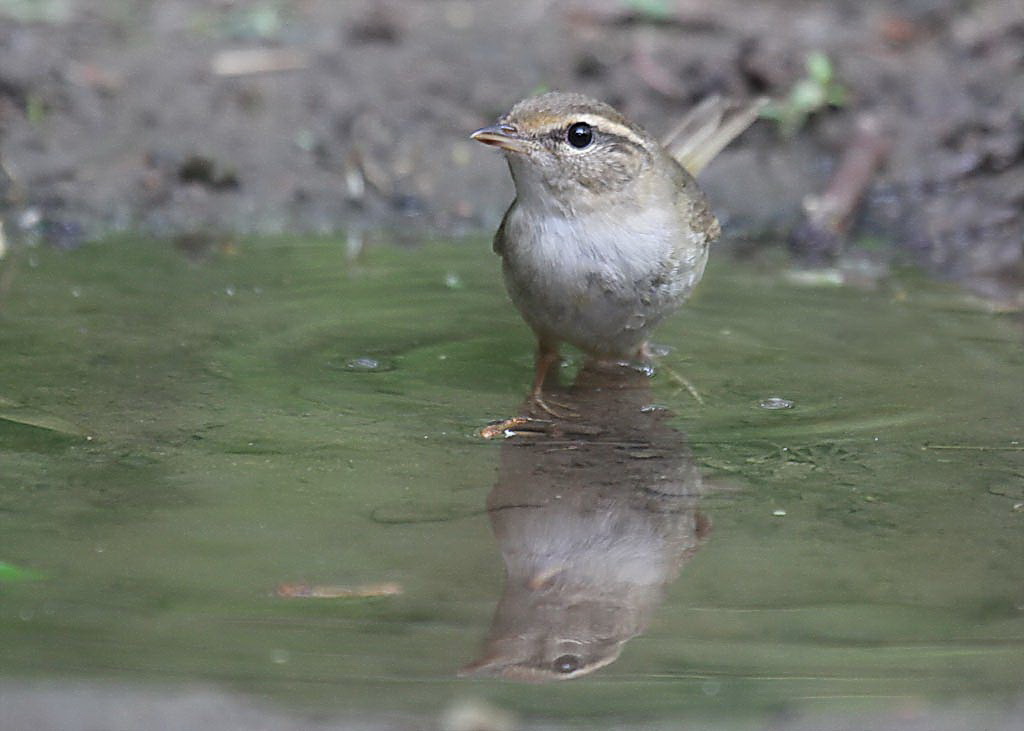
<point>707,129</point>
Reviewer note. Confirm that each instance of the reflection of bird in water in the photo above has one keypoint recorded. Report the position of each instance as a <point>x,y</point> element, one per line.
<point>594,517</point>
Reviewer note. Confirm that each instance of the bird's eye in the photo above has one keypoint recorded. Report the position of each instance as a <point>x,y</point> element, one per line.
<point>580,134</point>
<point>566,664</point>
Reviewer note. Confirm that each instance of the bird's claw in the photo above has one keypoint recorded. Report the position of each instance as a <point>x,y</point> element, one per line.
<point>562,412</point>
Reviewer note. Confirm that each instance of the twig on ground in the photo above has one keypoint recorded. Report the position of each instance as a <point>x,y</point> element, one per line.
<point>821,235</point>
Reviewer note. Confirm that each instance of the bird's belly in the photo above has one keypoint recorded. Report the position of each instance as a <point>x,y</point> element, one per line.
<point>602,294</point>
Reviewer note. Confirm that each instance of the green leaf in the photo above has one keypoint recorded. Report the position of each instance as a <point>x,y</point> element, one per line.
<point>819,67</point>
<point>807,95</point>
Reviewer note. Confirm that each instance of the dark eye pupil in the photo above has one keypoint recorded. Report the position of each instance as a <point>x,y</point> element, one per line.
<point>567,663</point>
<point>580,134</point>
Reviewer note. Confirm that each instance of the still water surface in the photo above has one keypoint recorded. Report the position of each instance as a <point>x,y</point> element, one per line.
<point>187,447</point>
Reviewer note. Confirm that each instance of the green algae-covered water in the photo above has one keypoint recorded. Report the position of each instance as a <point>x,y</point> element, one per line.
<point>188,450</point>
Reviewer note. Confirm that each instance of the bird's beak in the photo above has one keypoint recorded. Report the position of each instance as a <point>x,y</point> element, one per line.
<point>504,136</point>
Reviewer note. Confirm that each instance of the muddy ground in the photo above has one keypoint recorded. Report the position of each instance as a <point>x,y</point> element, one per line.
<point>194,119</point>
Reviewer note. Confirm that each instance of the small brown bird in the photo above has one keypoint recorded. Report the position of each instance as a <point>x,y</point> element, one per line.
<point>608,233</point>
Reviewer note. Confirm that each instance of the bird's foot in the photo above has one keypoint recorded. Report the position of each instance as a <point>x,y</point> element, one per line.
<point>548,406</point>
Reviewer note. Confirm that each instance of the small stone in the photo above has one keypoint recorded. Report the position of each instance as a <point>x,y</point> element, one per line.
<point>774,403</point>
<point>779,513</point>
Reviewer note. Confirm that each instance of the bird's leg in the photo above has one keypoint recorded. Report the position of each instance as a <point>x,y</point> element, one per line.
<point>547,355</point>
<point>645,354</point>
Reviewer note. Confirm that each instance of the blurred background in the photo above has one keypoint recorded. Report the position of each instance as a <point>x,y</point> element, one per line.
<point>191,117</point>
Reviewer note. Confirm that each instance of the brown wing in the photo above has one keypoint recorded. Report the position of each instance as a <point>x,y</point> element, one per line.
<point>708,128</point>
<point>692,205</point>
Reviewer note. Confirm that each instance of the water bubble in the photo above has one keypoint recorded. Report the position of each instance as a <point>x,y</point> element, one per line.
<point>775,403</point>
<point>363,364</point>
<point>452,281</point>
<point>229,291</point>
<point>366,364</point>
